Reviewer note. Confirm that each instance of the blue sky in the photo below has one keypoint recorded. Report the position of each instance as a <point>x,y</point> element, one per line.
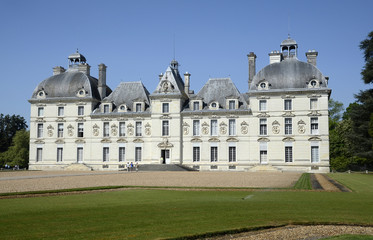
<point>135,39</point>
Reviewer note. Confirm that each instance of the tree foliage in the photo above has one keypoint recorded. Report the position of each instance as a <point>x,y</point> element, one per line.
<point>18,152</point>
<point>9,125</point>
<point>367,46</point>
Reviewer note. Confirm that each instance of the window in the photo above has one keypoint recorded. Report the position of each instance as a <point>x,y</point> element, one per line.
<point>138,129</point>
<point>288,126</point>
<point>313,83</point>
<point>40,130</point>
<point>138,107</point>
<point>165,107</point>
<point>59,154</point>
<point>196,154</point>
<point>40,112</point>
<point>314,126</point>
<point>165,128</point>
<point>122,129</point>
<point>214,127</point>
<point>105,154</point>
<point>232,127</point>
<point>232,154</point>
<point>288,154</point>
<point>262,105</point>
<point>263,85</point>
<point>79,154</point>
<point>39,154</point>
<point>214,154</point>
<point>263,127</point>
<point>60,130</point>
<point>315,154</point>
<point>106,129</point>
<point>137,154</point>
<point>232,104</point>
<point>195,106</point>
<point>106,108</point>
<point>80,130</point>
<point>195,127</point>
<point>122,152</point>
<point>313,104</point>
<point>263,156</point>
<point>213,105</point>
<point>80,110</point>
<point>287,104</point>
<point>60,111</point>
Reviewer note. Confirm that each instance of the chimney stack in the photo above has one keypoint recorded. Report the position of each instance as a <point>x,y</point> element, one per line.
<point>186,82</point>
<point>312,56</point>
<point>275,56</point>
<point>252,58</point>
<point>102,80</point>
<point>58,70</point>
<point>84,68</point>
<point>160,76</point>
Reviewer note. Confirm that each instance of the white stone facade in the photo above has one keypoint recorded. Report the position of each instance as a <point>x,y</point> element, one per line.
<point>281,123</point>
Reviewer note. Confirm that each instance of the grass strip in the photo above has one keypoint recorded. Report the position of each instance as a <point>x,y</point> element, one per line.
<point>304,182</point>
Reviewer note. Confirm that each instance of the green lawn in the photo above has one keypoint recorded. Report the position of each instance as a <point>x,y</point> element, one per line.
<point>150,214</point>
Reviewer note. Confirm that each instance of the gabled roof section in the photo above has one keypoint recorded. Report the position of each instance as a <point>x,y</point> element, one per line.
<point>129,92</point>
<point>171,83</point>
<point>220,89</point>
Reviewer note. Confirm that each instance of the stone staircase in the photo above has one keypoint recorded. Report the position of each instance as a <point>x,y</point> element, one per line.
<point>78,167</point>
<point>264,168</point>
<point>163,167</point>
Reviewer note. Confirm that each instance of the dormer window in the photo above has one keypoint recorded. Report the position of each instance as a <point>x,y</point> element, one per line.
<point>196,106</point>
<point>263,86</point>
<point>106,108</point>
<point>313,84</point>
<point>138,107</point>
<point>122,108</point>
<point>214,106</point>
<point>232,104</point>
<point>41,94</point>
<point>81,93</point>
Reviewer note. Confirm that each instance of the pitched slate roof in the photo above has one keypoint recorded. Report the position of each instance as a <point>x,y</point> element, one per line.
<point>219,89</point>
<point>128,92</point>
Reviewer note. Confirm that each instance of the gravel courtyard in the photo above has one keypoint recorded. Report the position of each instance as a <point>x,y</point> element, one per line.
<point>21,181</point>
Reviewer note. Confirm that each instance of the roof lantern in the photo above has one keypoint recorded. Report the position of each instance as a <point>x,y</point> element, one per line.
<point>76,58</point>
<point>289,48</point>
<point>174,64</point>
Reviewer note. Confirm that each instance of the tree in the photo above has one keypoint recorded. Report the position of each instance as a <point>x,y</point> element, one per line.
<point>335,113</point>
<point>18,152</point>
<point>9,125</point>
<point>367,46</point>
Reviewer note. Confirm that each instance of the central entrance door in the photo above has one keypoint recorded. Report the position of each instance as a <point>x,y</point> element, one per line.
<point>165,156</point>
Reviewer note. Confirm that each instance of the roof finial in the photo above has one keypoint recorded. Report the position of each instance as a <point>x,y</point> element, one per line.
<point>77,50</point>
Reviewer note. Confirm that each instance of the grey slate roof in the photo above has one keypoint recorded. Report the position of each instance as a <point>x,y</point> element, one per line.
<point>288,74</point>
<point>67,84</point>
<point>219,89</point>
<point>171,75</point>
<point>128,92</point>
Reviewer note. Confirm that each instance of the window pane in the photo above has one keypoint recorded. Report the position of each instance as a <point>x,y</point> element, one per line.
<point>263,127</point>
<point>39,154</point>
<point>106,129</point>
<point>80,110</point>
<point>195,106</point>
<point>263,156</point>
<point>122,129</point>
<point>60,111</point>
<point>105,154</point>
<point>138,107</point>
<point>232,154</point>
<point>165,128</point>
<point>232,127</point>
<point>314,126</point>
<point>59,154</point>
<point>214,127</point>
<point>60,130</point>
<point>40,130</point>
<point>40,111</point>
<point>288,104</point>
<point>80,154</point>
<point>196,154</point>
<point>214,154</point>
<point>315,154</point>
<point>138,154</point>
<point>288,126</point>
<point>195,127</point>
<point>121,154</point>
<point>80,129</point>
<point>232,104</point>
<point>138,129</point>
<point>262,105</point>
<point>165,108</point>
<point>288,154</point>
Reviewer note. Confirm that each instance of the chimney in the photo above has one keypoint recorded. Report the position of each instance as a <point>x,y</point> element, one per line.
<point>160,76</point>
<point>275,56</point>
<point>312,56</point>
<point>84,68</point>
<point>251,57</point>
<point>186,83</point>
<point>102,80</point>
<point>58,70</point>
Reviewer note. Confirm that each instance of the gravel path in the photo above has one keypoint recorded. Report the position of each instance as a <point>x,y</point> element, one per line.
<point>21,181</point>
<point>300,232</point>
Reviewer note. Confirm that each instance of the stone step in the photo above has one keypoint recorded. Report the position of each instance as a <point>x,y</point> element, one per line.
<point>163,167</point>
<point>264,168</point>
<point>78,167</point>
